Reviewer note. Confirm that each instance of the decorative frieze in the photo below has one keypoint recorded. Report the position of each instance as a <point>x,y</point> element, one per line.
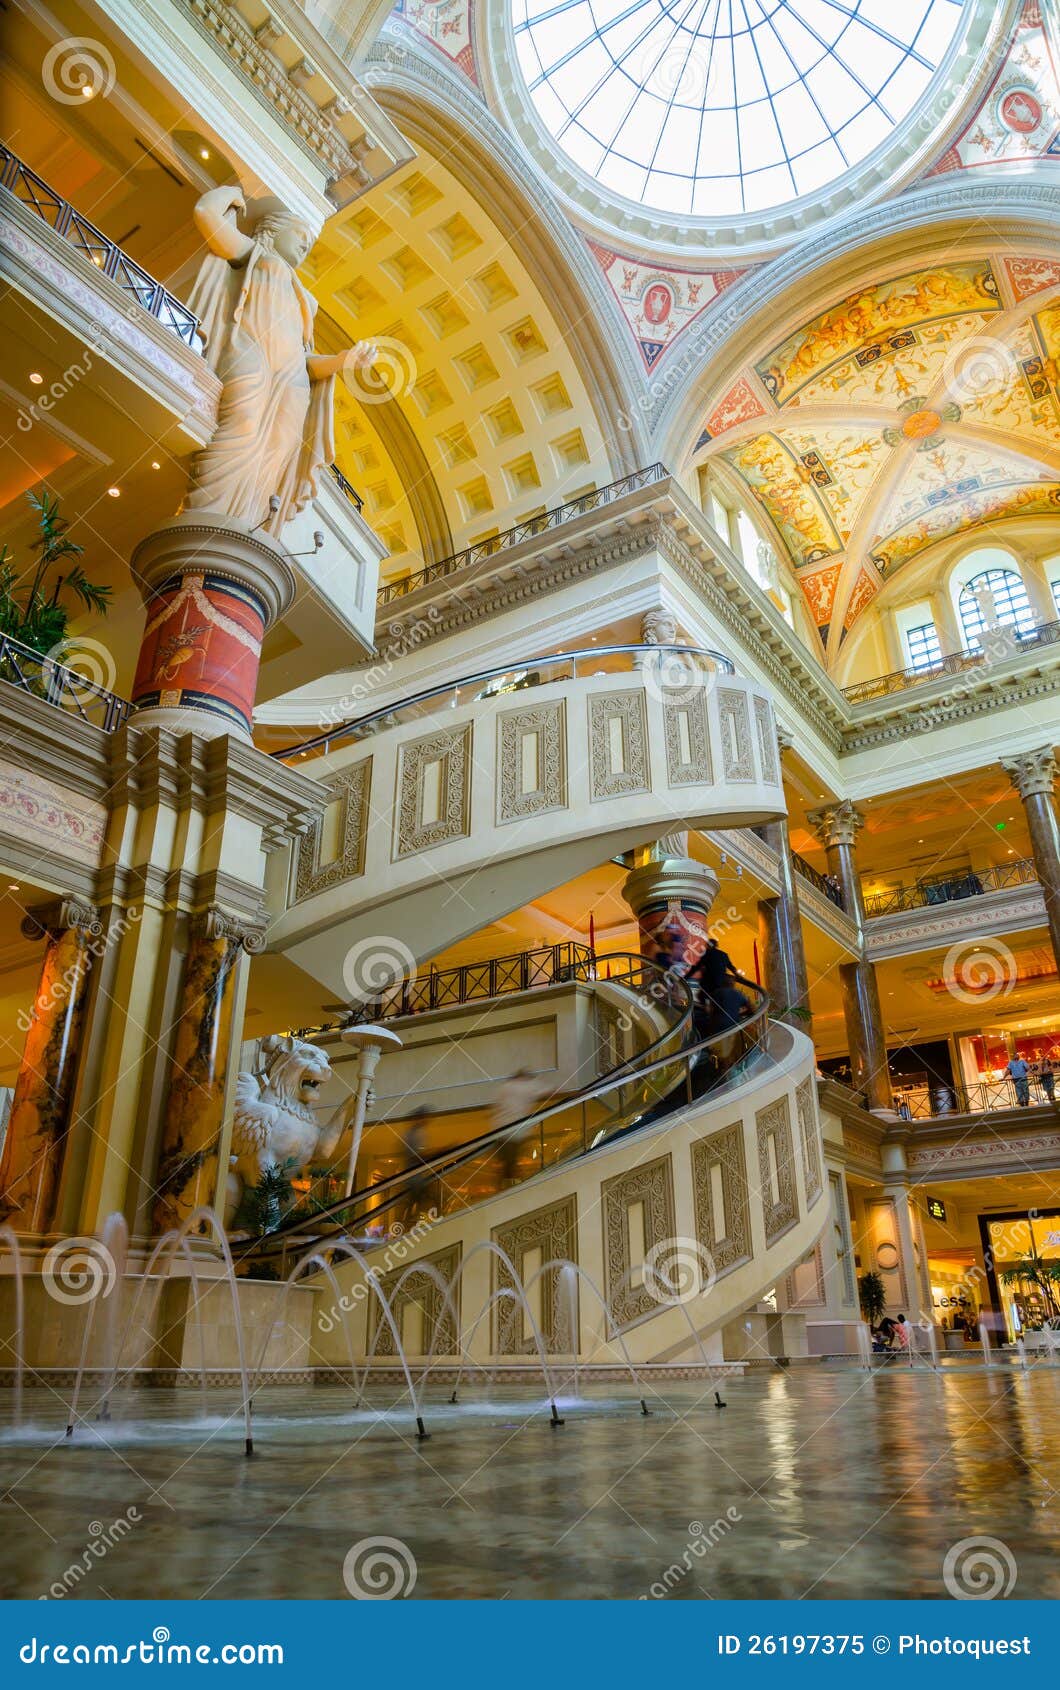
<point>737,756</point>
<point>776,1168</point>
<point>688,761</point>
<point>531,762</point>
<point>350,791</point>
<point>640,1199</point>
<point>767,741</point>
<point>721,1197</point>
<point>545,1235</point>
<point>416,1286</point>
<point>809,1137</point>
<point>618,745</point>
<point>433,791</point>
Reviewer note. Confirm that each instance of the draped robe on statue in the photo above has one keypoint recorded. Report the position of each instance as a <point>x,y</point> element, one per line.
<point>274,426</point>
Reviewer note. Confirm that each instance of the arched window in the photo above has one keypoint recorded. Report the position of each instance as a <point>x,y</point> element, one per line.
<point>1011,603</point>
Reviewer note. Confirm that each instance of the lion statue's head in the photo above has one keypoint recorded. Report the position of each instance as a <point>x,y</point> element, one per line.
<point>294,1071</point>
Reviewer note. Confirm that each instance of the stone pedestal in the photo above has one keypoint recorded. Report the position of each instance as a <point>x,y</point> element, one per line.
<point>39,1123</point>
<point>1033,775</point>
<point>671,896</point>
<point>212,588</point>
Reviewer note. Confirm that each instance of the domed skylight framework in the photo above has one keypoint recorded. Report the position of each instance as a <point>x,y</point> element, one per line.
<point>727,108</point>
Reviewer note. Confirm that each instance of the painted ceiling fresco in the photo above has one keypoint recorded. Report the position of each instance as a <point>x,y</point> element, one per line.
<point>1018,121</point>
<point>921,404</point>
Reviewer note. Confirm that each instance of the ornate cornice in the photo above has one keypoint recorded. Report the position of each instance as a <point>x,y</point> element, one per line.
<point>921,715</point>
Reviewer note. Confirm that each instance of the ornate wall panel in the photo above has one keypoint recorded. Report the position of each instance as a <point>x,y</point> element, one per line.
<point>806,1289</point>
<point>767,741</point>
<point>350,789</point>
<point>728,1243</point>
<point>736,754</point>
<point>433,791</point>
<point>806,1109</point>
<point>780,1207</point>
<point>618,744</point>
<point>553,1232</point>
<point>688,760</point>
<point>531,762</point>
<point>441,1336</point>
<point>651,1186</point>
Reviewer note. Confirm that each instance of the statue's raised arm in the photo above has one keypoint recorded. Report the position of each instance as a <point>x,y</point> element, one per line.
<point>274,423</point>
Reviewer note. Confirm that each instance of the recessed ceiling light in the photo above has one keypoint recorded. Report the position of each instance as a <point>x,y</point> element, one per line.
<point>155,464</point>
<point>114,492</point>
<point>35,377</point>
<point>204,152</point>
<point>87,91</point>
<point>14,886</point>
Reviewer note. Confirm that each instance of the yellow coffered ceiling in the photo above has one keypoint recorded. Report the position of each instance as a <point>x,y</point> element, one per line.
<point>495,420</point>
<point>911,410</point>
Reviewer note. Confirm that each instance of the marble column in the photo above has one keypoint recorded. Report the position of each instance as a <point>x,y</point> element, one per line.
<point>780,930</point>
<point>206,1040</point>
<point>837,826</point>
<point>1033,775</point>
<point>212,588</point>
<point>671,896</point>
<point>39,1124</point>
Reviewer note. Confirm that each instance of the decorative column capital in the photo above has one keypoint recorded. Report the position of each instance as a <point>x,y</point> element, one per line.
<point>60,916</point>
<point>239,932</point>
<point>785,740</point>
<point>836,824</point>
<point>1033,773</point>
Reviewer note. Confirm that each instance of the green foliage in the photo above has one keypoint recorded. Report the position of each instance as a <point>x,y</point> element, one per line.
<point>1040,1272</point>
<point>264,1205</point>
<point>39,617</point>
<point>872,1297</point>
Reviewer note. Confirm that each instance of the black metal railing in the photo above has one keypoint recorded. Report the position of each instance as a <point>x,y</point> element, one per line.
<point>955,663</point>
<point>53,683</point>
<point>935,1102</point>
<point>687,661</point>
<point>471,982</point>
<point>823,882</point>
<point>951,887</point>
<point>345,487</point>
<point>533,525</point>
<point>32,191</point>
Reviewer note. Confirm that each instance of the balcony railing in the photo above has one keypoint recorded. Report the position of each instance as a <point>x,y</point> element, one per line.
<point>951,887</point>
<point>32,191</point>
<point>344,487</point>
<point>957,663</point>
<point>472,982</point>
<point>534,525</point>
<point>53,683</point>
<point>923,1103</point>
<point>823,882</point>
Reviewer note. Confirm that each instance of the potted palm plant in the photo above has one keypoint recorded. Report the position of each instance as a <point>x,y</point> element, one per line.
<point>1041,1275</point>
<point>37,617</point>
<point>872,1297</point>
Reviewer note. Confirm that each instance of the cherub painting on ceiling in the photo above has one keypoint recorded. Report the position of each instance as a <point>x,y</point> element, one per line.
<point>989,505</point>
<point>781,484</point>
<point>875,311</point>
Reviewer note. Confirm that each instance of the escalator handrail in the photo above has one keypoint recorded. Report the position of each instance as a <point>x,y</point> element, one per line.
<point>391,1188</point>
<point>342,730</point>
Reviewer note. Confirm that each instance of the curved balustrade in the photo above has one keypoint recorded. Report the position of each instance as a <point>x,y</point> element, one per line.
<point>634,1094</point>
<point>390,591</point>
<point>954,663</point>
<point>470,800</point>
<point>503,679</point>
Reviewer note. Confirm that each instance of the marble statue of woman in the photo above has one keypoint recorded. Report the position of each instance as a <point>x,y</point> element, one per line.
<point>274,423</point>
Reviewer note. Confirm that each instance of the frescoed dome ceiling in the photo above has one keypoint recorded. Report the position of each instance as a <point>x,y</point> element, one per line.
<point>913,409</point>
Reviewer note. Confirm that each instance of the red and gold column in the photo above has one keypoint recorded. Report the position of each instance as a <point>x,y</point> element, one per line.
<point>211,591</point>
<point>671,896</point>
<point>206,1040</point>
<point>39,1123</point>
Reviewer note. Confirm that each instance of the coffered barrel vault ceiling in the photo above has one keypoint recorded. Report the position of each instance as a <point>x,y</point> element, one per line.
<point>912,409</point>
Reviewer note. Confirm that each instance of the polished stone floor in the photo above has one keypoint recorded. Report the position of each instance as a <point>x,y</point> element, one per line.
<point>818,1482</point>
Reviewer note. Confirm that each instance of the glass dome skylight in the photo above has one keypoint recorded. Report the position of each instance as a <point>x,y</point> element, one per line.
<point>717,108</point>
